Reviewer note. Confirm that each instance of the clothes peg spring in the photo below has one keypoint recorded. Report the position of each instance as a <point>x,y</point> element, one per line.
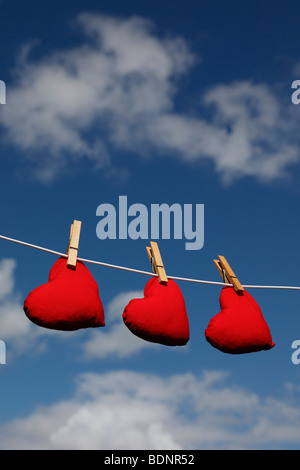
<point>227,273</point>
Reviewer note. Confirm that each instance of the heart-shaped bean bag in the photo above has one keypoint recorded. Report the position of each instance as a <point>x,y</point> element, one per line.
<point>68,301</point>
<point>160,317</point>
<point>240,326</point>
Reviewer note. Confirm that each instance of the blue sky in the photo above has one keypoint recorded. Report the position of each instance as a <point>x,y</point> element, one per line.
<point>186,103</point>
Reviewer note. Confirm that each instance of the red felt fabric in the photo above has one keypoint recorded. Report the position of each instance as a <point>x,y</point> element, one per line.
<point>240,326</point>
<point>68,301</point>
<point>160,317</point>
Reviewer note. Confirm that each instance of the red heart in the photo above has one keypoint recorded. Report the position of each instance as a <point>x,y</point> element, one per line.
<point>240,326</point>
<point>68,301</point>
<point>159,317</point>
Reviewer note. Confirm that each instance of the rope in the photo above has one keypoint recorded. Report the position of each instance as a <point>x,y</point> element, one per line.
<point>175,278</point>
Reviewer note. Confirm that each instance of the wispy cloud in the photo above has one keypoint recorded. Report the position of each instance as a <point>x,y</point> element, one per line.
<point>21,335</point>
<point>130,410</point>
<point>117,92</point>
<point>115,340</point>
<point>120,74</point>
<point>16,330</point>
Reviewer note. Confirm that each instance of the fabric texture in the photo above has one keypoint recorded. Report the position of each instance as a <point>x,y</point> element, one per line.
<point>240,326</point>
<point>68,301</point>
<point>160,316</point>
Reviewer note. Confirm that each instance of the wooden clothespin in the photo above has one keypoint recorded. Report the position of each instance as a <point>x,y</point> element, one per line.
<point>156,262</point>
<point>73,244</point>
<point>227,274</point>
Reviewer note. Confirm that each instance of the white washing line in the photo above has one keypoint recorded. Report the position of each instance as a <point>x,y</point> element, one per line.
<point>124,268</point>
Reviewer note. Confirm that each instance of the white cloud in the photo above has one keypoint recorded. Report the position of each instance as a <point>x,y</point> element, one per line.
<point>130,410</point>
<point>260,135</point>
<point>123,73</point>
<point>116,92</point>
<point>16,329</point>
<point>21,335</point>
<point>115,339</point>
